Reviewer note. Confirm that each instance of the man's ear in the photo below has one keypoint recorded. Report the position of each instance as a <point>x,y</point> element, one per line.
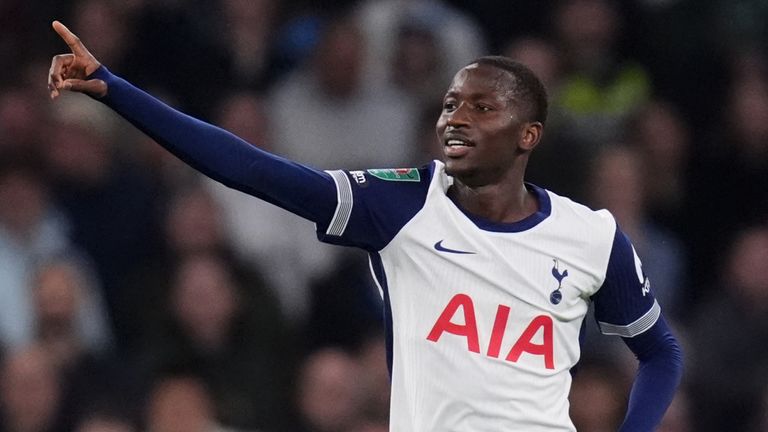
<point>531,136</point>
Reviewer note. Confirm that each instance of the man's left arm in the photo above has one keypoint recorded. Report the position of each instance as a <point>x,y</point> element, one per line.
<point>658,375</point>
<point>625,306</point>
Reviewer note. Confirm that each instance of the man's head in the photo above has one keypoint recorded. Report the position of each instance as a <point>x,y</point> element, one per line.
<point>526,89</point>
<point>493,116</point>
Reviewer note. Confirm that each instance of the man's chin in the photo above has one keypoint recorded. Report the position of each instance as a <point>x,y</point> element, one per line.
<point>455,168</point>
<point>449,167</point>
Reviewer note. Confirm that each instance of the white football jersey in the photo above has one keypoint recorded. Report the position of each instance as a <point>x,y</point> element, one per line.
<point>484,318</point>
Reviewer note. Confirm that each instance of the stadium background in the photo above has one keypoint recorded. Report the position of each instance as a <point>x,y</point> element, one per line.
<point>135,295</point>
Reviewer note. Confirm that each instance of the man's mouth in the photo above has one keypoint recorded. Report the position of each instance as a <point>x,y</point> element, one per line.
<point>453,142</point>
<point>457,147</point>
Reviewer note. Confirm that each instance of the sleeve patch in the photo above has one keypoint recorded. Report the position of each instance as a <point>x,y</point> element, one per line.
<point>635,328</point>
<point>396,174</point>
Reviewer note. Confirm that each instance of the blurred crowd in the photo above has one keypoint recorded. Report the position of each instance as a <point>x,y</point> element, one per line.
<point>136,295</point>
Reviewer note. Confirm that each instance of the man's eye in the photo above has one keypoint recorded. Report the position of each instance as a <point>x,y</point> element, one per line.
<point>449,106</point>
<point>483,108</point>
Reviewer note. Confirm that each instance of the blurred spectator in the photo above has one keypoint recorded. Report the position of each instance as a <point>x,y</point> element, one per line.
<point>679,416</point>
<point>676,40</point>
<point>375,380</point>
<point>742,22</point>
<point>299,31</point>
<point>245,114</point>
<point>192,224</point>
<point>346,306</point>
<point>104,423</point>
<point>20,120</point>
<point>329,397</point>
<point>598,397</point>
<point>184,34</point>
<point>31,229</point>
<point>541,56</point>
<point>599,88</point>
<point>325,116</point>
<point>502,21</point>
<point>13,20</point>
<point>30,393</point>
<point>662,137</point>
<point>617,184</point>
<point>230,334</point>
<point>20,37</point>
<point>181,403</point>
<point>731,168</point>
<point>69,316</point>
<point>416,66</point>
<point>105,23</point>
<point>729,369</point>
<point>71,327</point>
<point>278,243</point>
<point>248,29</point>
<point>109,203</point>
<point>456,36</point>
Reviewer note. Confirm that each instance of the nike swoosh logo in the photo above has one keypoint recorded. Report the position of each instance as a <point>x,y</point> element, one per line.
<point>439,246</point>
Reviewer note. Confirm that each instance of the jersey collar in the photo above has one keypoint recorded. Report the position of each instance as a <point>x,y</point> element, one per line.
<point>543,212</point>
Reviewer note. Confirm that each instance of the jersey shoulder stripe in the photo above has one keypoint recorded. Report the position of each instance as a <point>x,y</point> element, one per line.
<point>344,203</point>
<point>373,205</point>
<point>640,326</point>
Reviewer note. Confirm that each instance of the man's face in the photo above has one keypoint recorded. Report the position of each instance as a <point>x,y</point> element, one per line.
<point>480,126</point>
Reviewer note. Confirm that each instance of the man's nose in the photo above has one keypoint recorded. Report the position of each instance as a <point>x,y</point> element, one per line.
<point>459,117</point>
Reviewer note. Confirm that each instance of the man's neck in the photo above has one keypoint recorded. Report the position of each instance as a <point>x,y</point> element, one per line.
<point>502,202</point>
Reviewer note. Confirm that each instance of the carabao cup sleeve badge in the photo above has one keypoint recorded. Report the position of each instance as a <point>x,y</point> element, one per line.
<point>396,174</point>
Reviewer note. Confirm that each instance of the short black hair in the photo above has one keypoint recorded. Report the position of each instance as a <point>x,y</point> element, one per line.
<point>526,87</point>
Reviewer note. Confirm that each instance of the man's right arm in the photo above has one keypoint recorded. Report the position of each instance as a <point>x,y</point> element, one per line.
<point>213,151</point>
<point>223,156</point>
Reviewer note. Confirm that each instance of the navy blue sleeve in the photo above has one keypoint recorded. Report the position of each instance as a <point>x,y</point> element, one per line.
<point>625,306</point>
<point>658,375</point>
<point>223,156</point>
<point>373,205</point>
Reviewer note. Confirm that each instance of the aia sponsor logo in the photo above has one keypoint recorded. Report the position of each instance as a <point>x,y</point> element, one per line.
<point>462,305</point>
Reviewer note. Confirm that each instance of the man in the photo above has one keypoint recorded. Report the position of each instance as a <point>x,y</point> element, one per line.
<point>486,279</point>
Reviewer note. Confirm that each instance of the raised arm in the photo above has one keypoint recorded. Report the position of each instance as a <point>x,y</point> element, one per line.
<point>213,151</point>
<point>70,71</point>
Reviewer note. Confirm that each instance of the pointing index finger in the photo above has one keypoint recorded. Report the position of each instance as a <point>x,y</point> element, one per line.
<point>71,40</point>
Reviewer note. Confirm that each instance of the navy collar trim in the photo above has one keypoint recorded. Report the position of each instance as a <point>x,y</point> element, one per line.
<point>543,212</point>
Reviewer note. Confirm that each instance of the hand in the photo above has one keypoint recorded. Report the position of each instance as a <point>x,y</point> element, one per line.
<point>69,71</point>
